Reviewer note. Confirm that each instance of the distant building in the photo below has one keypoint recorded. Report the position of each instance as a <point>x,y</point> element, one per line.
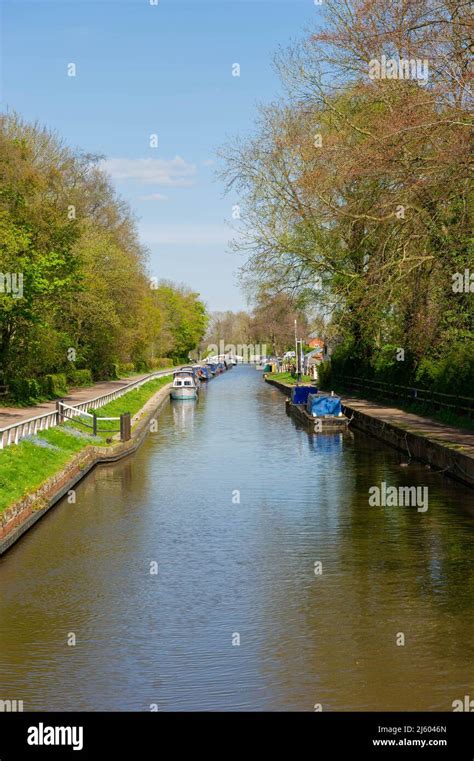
<point>316,343</point>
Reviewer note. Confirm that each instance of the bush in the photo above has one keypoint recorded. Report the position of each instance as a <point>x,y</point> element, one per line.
<point>25,389</point>
<point>141,366</point>
<point>55,384</point>
<point>386,366</point>
<point>348,360</point>
<point>324,375</point>
<point>450,374</point>
<point>112,372</point>
<point>160,362</point>
<point>79,377</point>
<point>126,367</point>
<point>34,390</point>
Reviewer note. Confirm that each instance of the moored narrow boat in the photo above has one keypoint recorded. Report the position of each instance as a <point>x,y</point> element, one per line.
<point>320,412</point>
<point>204,374</point>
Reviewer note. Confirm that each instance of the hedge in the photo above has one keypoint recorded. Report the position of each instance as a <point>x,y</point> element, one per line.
<point>79,377</point>
<point>25,389</point>
<point>452,373</point>
<point>55,384</point>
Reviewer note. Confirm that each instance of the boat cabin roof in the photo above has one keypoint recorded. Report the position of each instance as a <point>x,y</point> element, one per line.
<point>184,380</point>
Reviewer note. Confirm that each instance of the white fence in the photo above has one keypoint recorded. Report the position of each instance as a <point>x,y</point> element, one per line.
<point>12,434</point>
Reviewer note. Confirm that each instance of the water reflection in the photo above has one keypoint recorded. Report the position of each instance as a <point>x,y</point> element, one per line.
<point>183,415</point>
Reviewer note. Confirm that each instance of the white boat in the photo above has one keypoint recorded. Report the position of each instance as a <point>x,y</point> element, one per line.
<point>185,385</point>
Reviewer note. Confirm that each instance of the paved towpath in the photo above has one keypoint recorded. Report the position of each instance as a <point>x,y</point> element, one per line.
<point>423,426</point>
<point>10,415</point>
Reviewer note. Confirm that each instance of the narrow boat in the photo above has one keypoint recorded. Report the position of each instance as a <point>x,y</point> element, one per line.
<point>185,384</point>
<point>204,374</point>
<point>320,412</point>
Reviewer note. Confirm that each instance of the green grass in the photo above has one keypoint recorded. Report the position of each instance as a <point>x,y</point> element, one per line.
<point>26,466</point>
<point>289,379</point>
<point>133,401</point>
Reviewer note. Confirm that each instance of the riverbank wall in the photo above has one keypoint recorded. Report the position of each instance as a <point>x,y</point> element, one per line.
<point>23,514</point>
<point>441,447</point>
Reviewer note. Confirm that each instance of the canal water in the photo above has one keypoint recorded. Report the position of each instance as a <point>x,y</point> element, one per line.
<point>233,505</point>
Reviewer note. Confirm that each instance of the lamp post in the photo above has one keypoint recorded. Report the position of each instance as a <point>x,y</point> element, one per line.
<point>296,343</point>
<point>298,355</point>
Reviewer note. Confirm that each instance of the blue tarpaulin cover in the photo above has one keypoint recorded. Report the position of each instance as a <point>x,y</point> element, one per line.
<point>323,405</point>
<point>299,394</point>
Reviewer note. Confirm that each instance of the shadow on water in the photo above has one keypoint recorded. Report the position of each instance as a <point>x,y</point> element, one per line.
<point>261,533</point>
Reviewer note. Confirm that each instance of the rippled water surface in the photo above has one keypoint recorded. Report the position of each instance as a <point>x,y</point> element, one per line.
<point>227,568</point>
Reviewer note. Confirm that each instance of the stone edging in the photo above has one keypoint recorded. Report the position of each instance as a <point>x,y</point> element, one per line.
<point>20,516</point>
<point>449,461</point>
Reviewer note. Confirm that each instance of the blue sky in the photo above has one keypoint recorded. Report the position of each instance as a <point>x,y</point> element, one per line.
<point>165,70</point>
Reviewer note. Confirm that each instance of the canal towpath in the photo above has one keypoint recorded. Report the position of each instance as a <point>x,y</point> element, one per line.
<point>12,415</point>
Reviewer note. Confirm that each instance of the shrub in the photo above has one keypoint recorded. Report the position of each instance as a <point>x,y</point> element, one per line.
<point>324,375</point>
<point>55,384</point>
<point>451,374</point>
<point>113,371</point>
<point>79,377</point>
<point>388,368</point>
<point>126,367</point>
<point>348,360</point>
<point>141,366</point>
<point>25,390</point>
<point>19,389</point>
<point>160,362</point>
<point>34,389</point>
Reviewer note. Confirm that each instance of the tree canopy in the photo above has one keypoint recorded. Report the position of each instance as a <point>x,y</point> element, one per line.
<point>86,299</point>
<point>355,191</point>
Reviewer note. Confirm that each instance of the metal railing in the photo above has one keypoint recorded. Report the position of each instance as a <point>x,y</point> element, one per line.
<point>12,434</point>
<point>462,405</point>
<point>67,412</point>
<point>15,432</point>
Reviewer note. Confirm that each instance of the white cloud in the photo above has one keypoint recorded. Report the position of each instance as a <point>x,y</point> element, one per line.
<point>185,234</point>
<point>208,162</point>
<point>169,173</point>
<point>153,197</point>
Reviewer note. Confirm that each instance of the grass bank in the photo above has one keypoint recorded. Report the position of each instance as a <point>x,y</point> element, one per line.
<point>289,379</point>
<point>24,467</point>
<point>131,402</point>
